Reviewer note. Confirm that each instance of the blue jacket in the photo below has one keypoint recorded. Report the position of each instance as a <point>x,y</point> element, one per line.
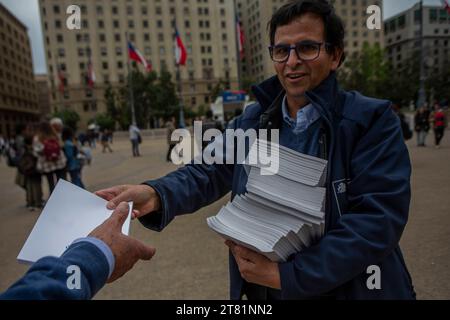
<point>71,152</point>
<point>367,205</point>
<point>47,278</point>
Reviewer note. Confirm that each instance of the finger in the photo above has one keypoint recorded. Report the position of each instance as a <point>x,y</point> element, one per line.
<point>246,253</point>
<point>120,214</point>
<point>125,196</point>
<point>135,214</point>
<point>109,193</point>
<point>230,244</point>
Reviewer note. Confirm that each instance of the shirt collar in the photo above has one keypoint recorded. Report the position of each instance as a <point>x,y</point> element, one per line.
<point>305,116</point>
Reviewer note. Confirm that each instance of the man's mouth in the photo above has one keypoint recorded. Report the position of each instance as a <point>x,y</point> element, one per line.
<point>295,76</point>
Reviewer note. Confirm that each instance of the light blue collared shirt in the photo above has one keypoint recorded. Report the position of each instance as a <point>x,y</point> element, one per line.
<point>306,116</point>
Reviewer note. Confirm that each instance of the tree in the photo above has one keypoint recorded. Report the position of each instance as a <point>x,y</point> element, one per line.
<point>370,73</point>
<point>165,102</point>
<point>367,72</point>
<point>70,118</point>
<point>104,121</point>
<point>218,89</point>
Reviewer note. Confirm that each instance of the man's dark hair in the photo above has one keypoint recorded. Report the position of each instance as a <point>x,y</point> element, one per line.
<point>334,27</point>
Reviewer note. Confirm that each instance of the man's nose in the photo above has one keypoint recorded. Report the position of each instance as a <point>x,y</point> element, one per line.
<point>293,59</point>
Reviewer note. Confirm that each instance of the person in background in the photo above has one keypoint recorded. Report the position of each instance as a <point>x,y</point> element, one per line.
<point>439,125</point>
<point>103,257</point>
<point>27,166</point>
<point>421,126</point>
<point>135,138</point>
<point>57,126</point>
<point>51,159</point>
<point>105,141</point>
<point>2,146</point>
<point>71,152</point>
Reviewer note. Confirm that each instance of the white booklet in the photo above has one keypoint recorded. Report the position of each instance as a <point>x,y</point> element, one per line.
<point>69,214</point>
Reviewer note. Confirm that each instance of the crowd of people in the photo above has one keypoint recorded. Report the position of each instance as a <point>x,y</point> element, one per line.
<point>48,149</point>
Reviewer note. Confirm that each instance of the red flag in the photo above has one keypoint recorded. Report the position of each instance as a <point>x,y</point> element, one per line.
<point>240,37</point>
<point>180,50</point>
<point>91,74</point>
<point>446,4</point>
<point>135,55</point>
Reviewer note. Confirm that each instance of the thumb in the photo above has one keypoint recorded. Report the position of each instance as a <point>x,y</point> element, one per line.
<point>145,252</point>
<point>120,214</point>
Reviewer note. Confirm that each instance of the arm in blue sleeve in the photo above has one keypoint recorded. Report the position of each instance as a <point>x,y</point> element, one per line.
<point>189,189</point>
<point>47,278</point>
<point>379,196</point>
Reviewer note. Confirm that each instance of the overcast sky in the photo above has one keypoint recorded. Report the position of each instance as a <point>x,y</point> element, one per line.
<point>27,11</point>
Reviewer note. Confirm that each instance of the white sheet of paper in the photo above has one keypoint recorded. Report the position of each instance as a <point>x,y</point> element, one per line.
<point>70,213</point>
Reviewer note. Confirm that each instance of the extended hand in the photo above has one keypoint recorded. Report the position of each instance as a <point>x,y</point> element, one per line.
<point>126,250</point>
<point>255,268</point>
<point>145,199</point>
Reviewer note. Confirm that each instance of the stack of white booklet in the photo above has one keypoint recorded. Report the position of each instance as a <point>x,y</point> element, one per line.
<point>282,212</point>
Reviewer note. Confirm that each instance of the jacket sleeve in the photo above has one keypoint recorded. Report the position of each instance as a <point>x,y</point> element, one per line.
<point>189,189</point>
<point>378,197</point>
<point>47,279</point>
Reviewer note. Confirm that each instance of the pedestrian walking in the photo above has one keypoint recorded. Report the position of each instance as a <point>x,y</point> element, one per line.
<point>105,141</point>
<point>439,125</point>
<point>136,139</point>
<point>71,153</point>
<point>422,125</point>
<point>27,166</point>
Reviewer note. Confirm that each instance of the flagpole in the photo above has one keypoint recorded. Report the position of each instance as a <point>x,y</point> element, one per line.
<point>130,84</point>
<point>182,123</point>
<point>238,53</point>
<point>421,95</point>
<point>58,75</point>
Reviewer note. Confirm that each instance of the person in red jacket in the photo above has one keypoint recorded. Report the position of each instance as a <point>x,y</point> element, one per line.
<point>439,124</point>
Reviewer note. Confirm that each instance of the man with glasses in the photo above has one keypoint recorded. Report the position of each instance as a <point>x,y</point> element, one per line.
<point>368,185</point>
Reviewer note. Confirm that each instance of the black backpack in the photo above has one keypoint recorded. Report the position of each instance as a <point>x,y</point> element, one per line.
<point>27,164</point>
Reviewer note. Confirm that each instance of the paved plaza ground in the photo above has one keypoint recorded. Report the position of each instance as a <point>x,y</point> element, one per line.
<point>192,262</point>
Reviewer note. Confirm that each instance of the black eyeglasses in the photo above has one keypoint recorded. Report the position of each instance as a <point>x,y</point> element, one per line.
<point>305,50</point>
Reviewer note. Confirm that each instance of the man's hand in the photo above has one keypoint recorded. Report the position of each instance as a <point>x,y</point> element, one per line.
<point>145,199</point>
<point>255,268</point>
<point>126,250</point>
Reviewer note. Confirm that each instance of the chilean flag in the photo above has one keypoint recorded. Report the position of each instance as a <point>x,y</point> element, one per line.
<point>91,74</point>
<point>446,4</point>
<point>135,55</point>
<point>180,50</point>
<point>240,36</point>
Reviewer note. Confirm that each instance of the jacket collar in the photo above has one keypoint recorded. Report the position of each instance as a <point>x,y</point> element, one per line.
<point>270,92</point>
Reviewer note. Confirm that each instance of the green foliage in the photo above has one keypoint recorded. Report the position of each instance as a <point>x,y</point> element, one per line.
<point>70,118</point>
<point>371,74</point>
<point>104,121</point>
<point>154,97</point>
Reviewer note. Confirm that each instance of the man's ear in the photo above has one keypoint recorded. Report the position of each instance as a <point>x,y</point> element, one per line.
<point>336,58</point>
